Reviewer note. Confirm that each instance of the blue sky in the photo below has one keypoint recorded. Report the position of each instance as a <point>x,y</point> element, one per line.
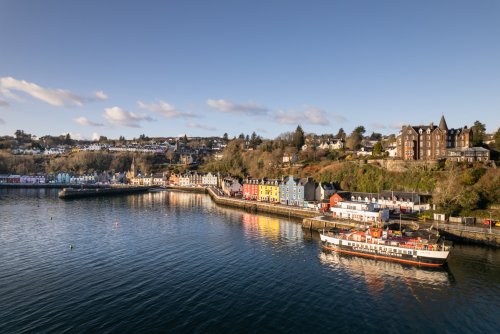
<point>165,68</point>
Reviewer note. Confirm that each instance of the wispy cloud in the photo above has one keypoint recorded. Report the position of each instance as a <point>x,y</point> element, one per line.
<point>86,122</point>
<point>56,97</point>
<point>309,115</point>
<point>3,104</point>
<point>201,126</point>
<point>378,126</point>
<point>165,109</point>
<point>396,126</point>
<point>339,118</point>
<point>251,108</point>
<point>118,116</point>
<point>262,130</point>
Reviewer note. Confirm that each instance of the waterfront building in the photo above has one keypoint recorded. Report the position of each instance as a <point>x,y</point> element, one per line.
<point>324,190</point>
<point>209,179</point>
<point>294,191</point>
<point>250,189</point>
<point>231,186</point>
<point>269,191</point>
<point>184,180</point>
<point>398,201</point>
<point>335,199</point>
<point>360,211</point>
<point>174,179</point>
<point>32,179</point>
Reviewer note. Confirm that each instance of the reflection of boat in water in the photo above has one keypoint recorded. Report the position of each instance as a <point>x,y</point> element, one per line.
<point>373,271</point>
<point>387,245</point>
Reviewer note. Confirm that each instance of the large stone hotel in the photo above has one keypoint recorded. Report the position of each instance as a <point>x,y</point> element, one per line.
<point>431,142</point>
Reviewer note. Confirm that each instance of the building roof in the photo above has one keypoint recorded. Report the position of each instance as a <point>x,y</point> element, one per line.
<point>442,124</point>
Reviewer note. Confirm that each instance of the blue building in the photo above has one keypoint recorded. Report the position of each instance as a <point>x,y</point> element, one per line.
<point>294,191</point>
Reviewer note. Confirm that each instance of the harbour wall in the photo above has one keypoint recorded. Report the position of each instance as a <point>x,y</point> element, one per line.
<point>474,237</point>
<point>71,193</point>
<point>252,206</point>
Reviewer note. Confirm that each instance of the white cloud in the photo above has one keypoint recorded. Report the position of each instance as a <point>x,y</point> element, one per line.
<point>201,126</point>
<point>95,136</point>
<point>165,109</point>
<point>3,103</point>
<point>250,109</point>
<point>100,95</point>
<point>86,122</point>
<point>56,97</point>
<point>2,121</point>
<point>118,116</point>
<point>310,115</point>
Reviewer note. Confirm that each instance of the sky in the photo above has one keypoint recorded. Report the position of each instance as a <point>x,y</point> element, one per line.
<point>205,68</point>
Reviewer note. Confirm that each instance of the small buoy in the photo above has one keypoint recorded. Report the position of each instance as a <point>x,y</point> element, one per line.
<point>70,246</point>
<point>50,218</point>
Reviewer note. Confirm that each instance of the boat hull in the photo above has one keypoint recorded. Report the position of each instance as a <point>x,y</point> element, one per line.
<point>386,253</point>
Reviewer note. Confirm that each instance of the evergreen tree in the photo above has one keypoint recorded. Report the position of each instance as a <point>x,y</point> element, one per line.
<point>298,137</point>
<point>478,132</point>
<point>340,134</point>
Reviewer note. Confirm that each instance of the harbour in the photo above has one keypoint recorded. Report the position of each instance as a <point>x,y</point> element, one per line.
<point>177,260</point>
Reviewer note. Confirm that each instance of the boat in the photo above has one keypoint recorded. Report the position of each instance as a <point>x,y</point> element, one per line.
<point>376,243</point>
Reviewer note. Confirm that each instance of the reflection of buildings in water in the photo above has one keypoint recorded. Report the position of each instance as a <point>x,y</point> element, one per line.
<point>271,227</point>
<point>379,273</point>
<point>187,199</point>
<point>170,198</point>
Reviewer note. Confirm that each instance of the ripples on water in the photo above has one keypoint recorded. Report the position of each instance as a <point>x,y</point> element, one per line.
<point>176,262</point>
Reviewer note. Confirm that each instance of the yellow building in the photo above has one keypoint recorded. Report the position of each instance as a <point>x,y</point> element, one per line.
<point>269,191</point>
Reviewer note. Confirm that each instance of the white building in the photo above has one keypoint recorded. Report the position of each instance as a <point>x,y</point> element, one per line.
<point>31,179</point>
<point>231,187</point>
<point>209,180</point>
<point>324,191</point>
<point>360,211</point>
<point>184,181</point>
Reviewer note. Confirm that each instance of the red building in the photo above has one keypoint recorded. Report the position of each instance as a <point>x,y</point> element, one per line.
<point>251,189</point>
<point>334,199</point>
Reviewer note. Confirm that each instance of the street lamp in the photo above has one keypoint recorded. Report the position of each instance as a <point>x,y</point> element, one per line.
<point>490,220</point>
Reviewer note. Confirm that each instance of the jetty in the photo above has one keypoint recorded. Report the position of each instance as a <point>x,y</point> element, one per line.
<point>71,193</point>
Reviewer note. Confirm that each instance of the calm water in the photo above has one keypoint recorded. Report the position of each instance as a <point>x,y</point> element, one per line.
<point>176,262</point>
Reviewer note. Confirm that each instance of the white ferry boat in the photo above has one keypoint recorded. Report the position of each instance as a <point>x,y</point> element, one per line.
<point>388,245</point>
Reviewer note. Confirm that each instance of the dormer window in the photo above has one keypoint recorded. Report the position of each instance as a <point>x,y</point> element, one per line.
<point>428,131</point>
<point>420,131</point>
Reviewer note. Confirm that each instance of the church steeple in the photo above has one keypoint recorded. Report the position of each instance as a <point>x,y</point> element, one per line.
<point>442,124</point>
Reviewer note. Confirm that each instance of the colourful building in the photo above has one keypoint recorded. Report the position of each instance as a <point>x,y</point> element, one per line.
<point>251,189</point>
<point>269,191</point>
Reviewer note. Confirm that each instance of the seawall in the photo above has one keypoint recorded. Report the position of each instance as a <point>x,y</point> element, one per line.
<point>253,206</point>
<point>71,193</point>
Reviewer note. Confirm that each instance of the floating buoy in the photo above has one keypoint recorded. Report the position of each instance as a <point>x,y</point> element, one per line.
<point>70,246</point>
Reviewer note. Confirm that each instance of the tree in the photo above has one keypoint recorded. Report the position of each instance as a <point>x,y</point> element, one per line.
<point>298,137</point>
<point>375,136</point>
<point>377,149</point>
<point>478,132</point>
<point>341,134</point>
<point>360,129</point>
<point>353,142</point>
<point>225,137</point>
<point>241,136</point>
<point>497,140</point>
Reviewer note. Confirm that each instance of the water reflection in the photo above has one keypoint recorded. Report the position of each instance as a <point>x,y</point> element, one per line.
<point>270,227</point>
<point>380,275</point>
